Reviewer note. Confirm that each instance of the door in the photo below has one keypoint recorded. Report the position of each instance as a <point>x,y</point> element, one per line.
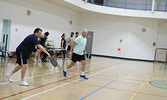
<point>6,29</point>
<point>89,44</point>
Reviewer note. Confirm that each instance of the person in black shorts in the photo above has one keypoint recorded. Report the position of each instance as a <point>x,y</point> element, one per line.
<point>69,42</point>
<point>63,45</point>
<point>42,41</point>
<point>78,50</point>
<point>23,52</point>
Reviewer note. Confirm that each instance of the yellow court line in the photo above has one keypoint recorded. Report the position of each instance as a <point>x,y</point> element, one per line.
<point>144,83</point>
<point>121,79</point>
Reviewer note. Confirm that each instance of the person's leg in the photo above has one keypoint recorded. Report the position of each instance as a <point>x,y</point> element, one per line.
<point>58,53</point>
<point>23,72</point>
<point>39,55</point>
<point>64,54</point>
<point>19,61</point>
<point>74,60</point>
<point>71,64</point>
<point>17,69</point>
<point>9,75</point>
<point>83,66</point>
<point>68,67</point>
<point>36,54</point>
<point>82,60</point>
<point>45,56</point>
<point>68,49</point>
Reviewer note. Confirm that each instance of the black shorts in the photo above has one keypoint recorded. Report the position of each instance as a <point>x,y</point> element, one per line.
<point>69,47</point>
<point>21,58</point>
<point>76,57</point>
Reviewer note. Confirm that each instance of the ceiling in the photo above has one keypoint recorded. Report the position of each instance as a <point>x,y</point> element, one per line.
<point>48,4</point>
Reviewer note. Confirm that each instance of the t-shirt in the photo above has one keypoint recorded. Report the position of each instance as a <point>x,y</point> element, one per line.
<point>80,45</point>
<point>71,40</point>
<point>65,42</point>
<point>28,45</point>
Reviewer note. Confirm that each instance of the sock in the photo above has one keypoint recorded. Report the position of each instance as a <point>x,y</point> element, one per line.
<point>83,73</point>
<point>11,74</point>
<point>22,79</point>
<point>65,69</point>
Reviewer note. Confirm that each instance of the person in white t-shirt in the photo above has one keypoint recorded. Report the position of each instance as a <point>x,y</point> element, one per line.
<point>70,41</point>
<point>78,53</point>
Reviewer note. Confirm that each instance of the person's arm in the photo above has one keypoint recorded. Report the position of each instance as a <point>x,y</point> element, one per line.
<point>68,41</point>
<point>72,46</point>
<point>42,49</point>
<point>85,51</point>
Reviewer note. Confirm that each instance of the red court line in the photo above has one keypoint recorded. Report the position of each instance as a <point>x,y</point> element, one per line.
<point>49,84</point>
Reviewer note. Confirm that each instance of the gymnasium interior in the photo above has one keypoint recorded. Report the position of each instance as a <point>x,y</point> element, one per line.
<point>126,50</point>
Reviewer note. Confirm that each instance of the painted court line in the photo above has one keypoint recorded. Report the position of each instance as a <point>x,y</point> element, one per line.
<point>30,77</point>
<point>97,90</point>
<point>121,89</point>
<point>144,83</point>
<point>43,74</point>
<point>51,83</point>
<point>125,74</point>
<point>67,83</point>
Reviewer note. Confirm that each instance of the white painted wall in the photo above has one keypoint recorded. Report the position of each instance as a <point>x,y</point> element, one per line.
<point>56,24</point>
<point>108,30</point>
<point>162,41</point>
<point>1,22</point>
<point>162,35</point>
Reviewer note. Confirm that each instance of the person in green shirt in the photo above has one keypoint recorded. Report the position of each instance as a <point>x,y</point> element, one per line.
<point>78,53</point>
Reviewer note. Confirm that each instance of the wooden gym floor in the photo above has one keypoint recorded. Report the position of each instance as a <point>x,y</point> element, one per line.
<point>109,79</point>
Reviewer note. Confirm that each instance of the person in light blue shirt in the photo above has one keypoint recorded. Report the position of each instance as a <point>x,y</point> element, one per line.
<point>79,47</point>
<point>78,53</point>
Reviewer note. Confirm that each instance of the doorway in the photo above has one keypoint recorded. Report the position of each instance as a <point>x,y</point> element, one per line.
<point>6,29</point>
<point>89,44</point>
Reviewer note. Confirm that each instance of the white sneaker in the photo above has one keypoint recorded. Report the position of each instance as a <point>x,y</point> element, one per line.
<point>23,83</point>
<point>35,60</point>
<point>65,59</point>
<point>39,60</point>
<point>9,77</point>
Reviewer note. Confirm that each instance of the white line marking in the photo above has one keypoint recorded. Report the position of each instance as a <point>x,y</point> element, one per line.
<point>46,74</point>
<point>69,83</point>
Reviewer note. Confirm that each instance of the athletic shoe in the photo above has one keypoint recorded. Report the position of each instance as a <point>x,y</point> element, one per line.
<point>35,60</point>
<point>9,77</point>
<point>23,83</point>
<point>39,60</point>
<point>44,60</point>
<point>64,73</point>
<point>84,77</point>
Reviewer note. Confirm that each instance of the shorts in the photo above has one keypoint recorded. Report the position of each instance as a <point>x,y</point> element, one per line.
<point>69,47</point>
<point>21,58</point>
<point>76,57</point>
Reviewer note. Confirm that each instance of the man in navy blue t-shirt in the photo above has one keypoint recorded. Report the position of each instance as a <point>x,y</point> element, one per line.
<point>23,52</point>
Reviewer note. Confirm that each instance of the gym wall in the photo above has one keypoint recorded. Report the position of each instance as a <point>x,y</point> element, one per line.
<point>110,30</point>
<point>56,22</point>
